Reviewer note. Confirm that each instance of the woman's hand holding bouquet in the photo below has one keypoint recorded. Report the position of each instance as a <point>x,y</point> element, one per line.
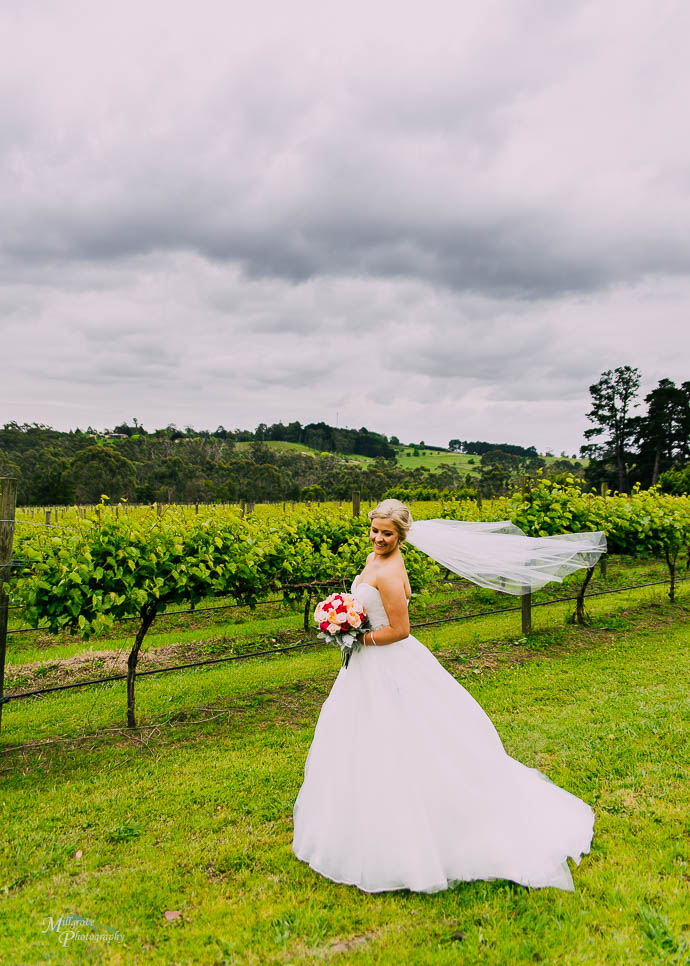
<point>341,618</point>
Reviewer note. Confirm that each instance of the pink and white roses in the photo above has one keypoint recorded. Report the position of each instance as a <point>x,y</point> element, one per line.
<point>340,618</point>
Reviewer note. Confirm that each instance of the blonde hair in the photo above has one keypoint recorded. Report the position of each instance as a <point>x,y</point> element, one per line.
<point>396,512</point>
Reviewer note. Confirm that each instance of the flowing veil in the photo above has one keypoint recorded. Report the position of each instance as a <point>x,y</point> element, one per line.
<point>500,556</point>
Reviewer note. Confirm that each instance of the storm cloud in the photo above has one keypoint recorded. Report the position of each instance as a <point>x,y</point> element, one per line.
<point>435,220</point>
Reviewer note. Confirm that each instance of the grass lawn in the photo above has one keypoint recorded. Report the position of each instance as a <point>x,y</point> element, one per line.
<point>464,462</point>
<point>432,459</point>
<point>191,815</point>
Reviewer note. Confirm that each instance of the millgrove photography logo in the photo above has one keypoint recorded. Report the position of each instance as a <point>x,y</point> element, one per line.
<point>75,928</point>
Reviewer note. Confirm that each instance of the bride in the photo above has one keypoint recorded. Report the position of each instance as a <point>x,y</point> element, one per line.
<point>407,784</point>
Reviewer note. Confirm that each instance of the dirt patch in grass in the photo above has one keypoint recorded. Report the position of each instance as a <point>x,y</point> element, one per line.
<point>297,703</point>
<point>569,639</point>
<point>93,664</point>
<point>552,643</point>
<point>346,945</point>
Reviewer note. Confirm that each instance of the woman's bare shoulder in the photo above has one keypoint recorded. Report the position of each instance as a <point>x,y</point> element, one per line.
<point>394,576</point>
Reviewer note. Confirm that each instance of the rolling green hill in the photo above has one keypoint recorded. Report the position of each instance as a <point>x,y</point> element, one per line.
<point>405,456</point>
<point>301,448</point>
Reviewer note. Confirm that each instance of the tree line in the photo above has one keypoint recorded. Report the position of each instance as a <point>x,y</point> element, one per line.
<point>647,447</point>
<point>319,436</point>
<point>171,466</point>
<point>480,447</point>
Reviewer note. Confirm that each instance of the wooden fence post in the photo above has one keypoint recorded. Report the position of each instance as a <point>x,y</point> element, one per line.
<point>355,503</point>
<point>527,614</point>
<point>602,559</point>
<point>8,503</point>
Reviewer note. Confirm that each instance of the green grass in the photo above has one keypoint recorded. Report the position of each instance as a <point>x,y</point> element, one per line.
<point>193,812</point>
<point>432,459</point>
<point>464,462</point>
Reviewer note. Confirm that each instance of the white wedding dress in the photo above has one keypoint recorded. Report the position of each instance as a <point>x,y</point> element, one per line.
<point>407,784</point>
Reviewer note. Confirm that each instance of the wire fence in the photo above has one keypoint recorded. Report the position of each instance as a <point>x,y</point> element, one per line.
<point>313,585</point>
<point>307,588</point>
<point>196,610</point>
<point>303,644</point>
<point>49,526</point>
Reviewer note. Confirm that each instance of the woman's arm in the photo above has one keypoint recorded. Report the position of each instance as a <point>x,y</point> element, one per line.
<point>392,592</point>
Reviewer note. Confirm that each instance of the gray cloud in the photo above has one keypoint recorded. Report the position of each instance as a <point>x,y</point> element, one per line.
<point>234,215</point>
<point>512,176</point>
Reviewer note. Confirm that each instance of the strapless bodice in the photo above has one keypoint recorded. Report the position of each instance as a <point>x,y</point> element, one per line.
<point>371,599</point>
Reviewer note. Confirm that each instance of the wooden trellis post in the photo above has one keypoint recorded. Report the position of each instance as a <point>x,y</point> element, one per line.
<point>527,614</point>
<point>355,503</point>
<point>8,504</point>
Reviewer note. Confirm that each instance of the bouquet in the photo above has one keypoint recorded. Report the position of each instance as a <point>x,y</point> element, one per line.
<point>340,619</point>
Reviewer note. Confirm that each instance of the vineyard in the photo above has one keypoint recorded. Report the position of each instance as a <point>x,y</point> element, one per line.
<point>111,564</point>
<point>169,831</point>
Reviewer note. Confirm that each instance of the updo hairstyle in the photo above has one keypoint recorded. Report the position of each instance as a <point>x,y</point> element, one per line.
<point>397,513</point>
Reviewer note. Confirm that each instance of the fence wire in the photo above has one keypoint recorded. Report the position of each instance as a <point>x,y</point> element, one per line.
<point>303,644</point>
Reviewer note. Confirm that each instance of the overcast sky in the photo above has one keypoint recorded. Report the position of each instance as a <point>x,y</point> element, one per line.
<point>433,219</point>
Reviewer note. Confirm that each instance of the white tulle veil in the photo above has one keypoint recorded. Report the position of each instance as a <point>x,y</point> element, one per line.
<point>501,556</point>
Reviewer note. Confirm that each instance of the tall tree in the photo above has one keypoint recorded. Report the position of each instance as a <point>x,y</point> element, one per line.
<point>612,403</point>
<point>662,433</point>
<point>100,469</point>
<point>683,454</point>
